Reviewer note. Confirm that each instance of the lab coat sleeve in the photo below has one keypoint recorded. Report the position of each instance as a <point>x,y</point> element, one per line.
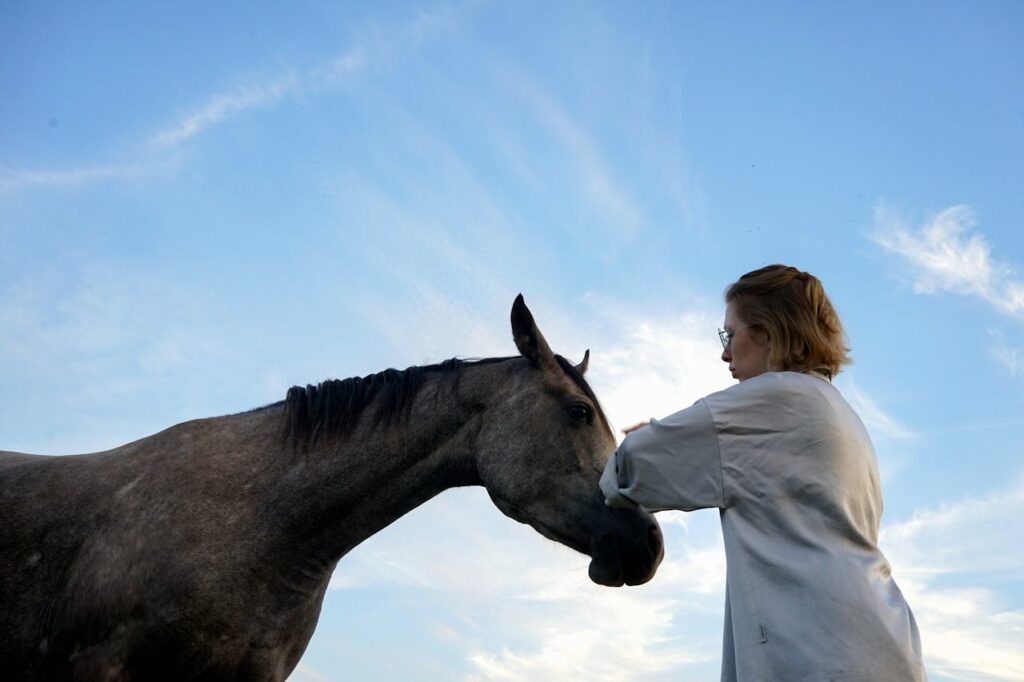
<point>673,463</point>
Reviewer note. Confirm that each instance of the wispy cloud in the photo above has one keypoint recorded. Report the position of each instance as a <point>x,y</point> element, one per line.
<point>306,673</point>
<point>217,109</point>
<point>225,105</point>
<point>1011,358</point>
<point>539,617</point>
<point>221,107</point>
<point>890,436</point>
<point>600,185</point>
<point>944,254</point>
<point>18,178</point>
<point>940,556</point>
<point>655,365</point>
<point>875,418</point>
<point>106,336</point>
<point>234,101</point>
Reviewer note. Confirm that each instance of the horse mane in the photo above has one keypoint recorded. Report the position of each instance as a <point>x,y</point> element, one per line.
<point>333,407</point>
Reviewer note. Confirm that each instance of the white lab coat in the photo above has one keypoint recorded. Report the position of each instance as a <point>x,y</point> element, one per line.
<point>809,596</point>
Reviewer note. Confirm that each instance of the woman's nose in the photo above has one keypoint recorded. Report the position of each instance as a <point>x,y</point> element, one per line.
<point>726,355</point>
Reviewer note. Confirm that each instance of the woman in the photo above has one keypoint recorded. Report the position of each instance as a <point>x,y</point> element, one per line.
<point>809,596</point>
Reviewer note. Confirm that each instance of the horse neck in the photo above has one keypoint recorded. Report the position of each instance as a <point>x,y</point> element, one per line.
<point>348,488</point>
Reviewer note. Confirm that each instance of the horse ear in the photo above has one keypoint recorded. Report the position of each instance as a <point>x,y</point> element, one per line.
<point>529,340</point>
<point>582,367</point>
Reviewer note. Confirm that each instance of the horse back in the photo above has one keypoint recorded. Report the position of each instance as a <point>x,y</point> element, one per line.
<point>141,562</point>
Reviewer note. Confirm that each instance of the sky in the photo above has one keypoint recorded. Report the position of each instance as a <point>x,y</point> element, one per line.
<point>203,204</point>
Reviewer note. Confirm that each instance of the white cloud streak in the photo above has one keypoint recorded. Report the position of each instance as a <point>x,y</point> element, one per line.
<point>657,365</point>
<point>888,434</point>
<point>18,178</point>
<point>944,255</point>
<point>539,617</point>
<point>874,417</point>
<point>226,105</point>
<point>305,673</point>
<point>106,336</point>
<point>1010,358</point>
<point>940,555</point>
<point>217,109</point>
<point>599,183</point>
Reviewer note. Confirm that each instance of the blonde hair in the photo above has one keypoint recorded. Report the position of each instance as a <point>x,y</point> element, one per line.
<point>790,306</point>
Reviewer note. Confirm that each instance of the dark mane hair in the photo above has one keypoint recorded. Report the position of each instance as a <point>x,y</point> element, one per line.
<point>332,407</point>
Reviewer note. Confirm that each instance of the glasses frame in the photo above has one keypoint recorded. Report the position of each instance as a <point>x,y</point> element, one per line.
<point>725,336</point>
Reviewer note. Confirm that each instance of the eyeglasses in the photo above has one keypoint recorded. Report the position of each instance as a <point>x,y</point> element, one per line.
<point>726,336</point>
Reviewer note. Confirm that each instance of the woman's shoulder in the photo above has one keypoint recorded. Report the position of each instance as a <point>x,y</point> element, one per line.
<point>786,402</point>
<point>771,388</point>
<point>776,381</point>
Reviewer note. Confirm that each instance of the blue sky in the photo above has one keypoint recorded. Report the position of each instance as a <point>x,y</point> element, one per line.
<point>202,206</point>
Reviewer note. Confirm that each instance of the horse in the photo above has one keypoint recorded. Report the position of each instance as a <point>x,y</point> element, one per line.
<point>203,552</point>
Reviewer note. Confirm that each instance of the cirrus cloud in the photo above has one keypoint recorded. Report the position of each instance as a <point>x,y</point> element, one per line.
<point>945,254</point>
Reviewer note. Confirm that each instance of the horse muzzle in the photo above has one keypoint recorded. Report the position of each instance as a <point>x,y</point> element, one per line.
<point>618,559</point>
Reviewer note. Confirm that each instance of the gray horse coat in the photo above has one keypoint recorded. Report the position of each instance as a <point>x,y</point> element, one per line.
<point>204,551</point>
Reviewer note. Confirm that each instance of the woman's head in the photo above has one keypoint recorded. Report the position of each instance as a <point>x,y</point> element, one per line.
<point>779,318</point>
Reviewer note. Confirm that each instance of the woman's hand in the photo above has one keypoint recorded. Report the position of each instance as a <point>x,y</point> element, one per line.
<point>634,427</point>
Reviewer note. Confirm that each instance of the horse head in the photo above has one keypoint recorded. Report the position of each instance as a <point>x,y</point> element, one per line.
<point>541,456</point>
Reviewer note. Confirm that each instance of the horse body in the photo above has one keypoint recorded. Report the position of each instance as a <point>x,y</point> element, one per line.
<point>148,561</point>
<point>204,551</point>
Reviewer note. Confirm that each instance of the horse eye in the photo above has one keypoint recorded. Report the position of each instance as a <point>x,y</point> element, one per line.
<point>580,412</point>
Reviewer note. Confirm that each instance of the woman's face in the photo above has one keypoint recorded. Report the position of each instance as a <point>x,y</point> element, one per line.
<point>747,352</point>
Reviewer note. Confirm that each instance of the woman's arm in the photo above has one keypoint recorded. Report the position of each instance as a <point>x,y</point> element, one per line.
<point>672,463</point>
